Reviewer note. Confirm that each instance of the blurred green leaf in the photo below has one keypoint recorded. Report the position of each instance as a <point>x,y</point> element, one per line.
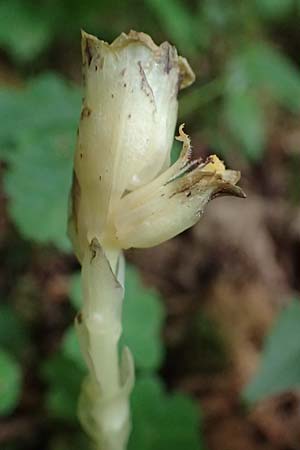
<point>280,365</point>
<point>70,347</point>
<point>199,97</point>
<point>216,16</point>
<point>244,117</point>
<point>37,183</point>
<point>10,383</point>
<point>162,421</point>
<point>10,113</point>
<point>75,291</point>
<point>41,127</point>
<point>274,9</point>
<point>47,104</point>
<point>25,30</point>
<point>178,22</point>
<point>277,73</point>
<point>142,321</point>
<point>13,332</point>
<point>260,66</point>
<point>257,69</point>
<point>175,151</point>
<point>64,378</point>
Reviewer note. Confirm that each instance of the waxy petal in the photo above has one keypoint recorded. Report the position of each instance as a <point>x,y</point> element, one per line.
<point>174,201</point>
<point>127,124</point>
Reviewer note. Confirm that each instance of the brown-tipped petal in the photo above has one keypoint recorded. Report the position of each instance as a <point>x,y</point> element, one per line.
<point>227,189</point>
<point>174,201</point>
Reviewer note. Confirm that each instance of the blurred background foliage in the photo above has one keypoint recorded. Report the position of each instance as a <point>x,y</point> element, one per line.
<point>244,105</point>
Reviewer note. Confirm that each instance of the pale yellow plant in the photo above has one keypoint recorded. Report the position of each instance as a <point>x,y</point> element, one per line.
<point>125,194</point>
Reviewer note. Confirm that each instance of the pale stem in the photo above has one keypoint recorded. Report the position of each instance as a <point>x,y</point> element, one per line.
<point>104,405</point>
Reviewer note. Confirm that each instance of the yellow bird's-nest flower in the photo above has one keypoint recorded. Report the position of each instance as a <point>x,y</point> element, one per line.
<point>174,201</point>
<point>124,192</point>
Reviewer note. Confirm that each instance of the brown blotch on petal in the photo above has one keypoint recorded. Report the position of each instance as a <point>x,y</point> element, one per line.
<point>145,86</point>
<point>94,248</point>
<point>170,57</point>
<point>85,112</point>
<point>88,47</point>
<point>191,179</point>
<point>88,52</point>
<point>75,196</point>
<point>98,62</point>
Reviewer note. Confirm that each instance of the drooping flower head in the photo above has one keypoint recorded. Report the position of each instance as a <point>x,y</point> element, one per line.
<point>124,192</point>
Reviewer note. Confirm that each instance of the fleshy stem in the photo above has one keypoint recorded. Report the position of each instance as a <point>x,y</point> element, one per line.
<point>104,402</point>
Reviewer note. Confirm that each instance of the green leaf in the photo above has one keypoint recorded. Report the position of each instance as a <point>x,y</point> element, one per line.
<point>38,183</point>
<point>261,66</point>
<point>70,347</point>
<point>64,379</point>
<point>40,127</point>
<point>10,383</point>
<point>257,69</point>
<point>274,9</point>
<point>162,421</point>
<point>278,74</point>
<point>75,291</point>
<point>175,151</point>
<point>13,332</point>
<point>25,29</point>
<point>142,320</point>
<point>244,117</point>
<point>10,111</point>
<point>178,22</point>
<point>47,104</point>
<point>280,365</point>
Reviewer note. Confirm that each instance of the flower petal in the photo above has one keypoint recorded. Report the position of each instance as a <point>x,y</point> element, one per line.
<point>127,122</point>
<point>174,201</point>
